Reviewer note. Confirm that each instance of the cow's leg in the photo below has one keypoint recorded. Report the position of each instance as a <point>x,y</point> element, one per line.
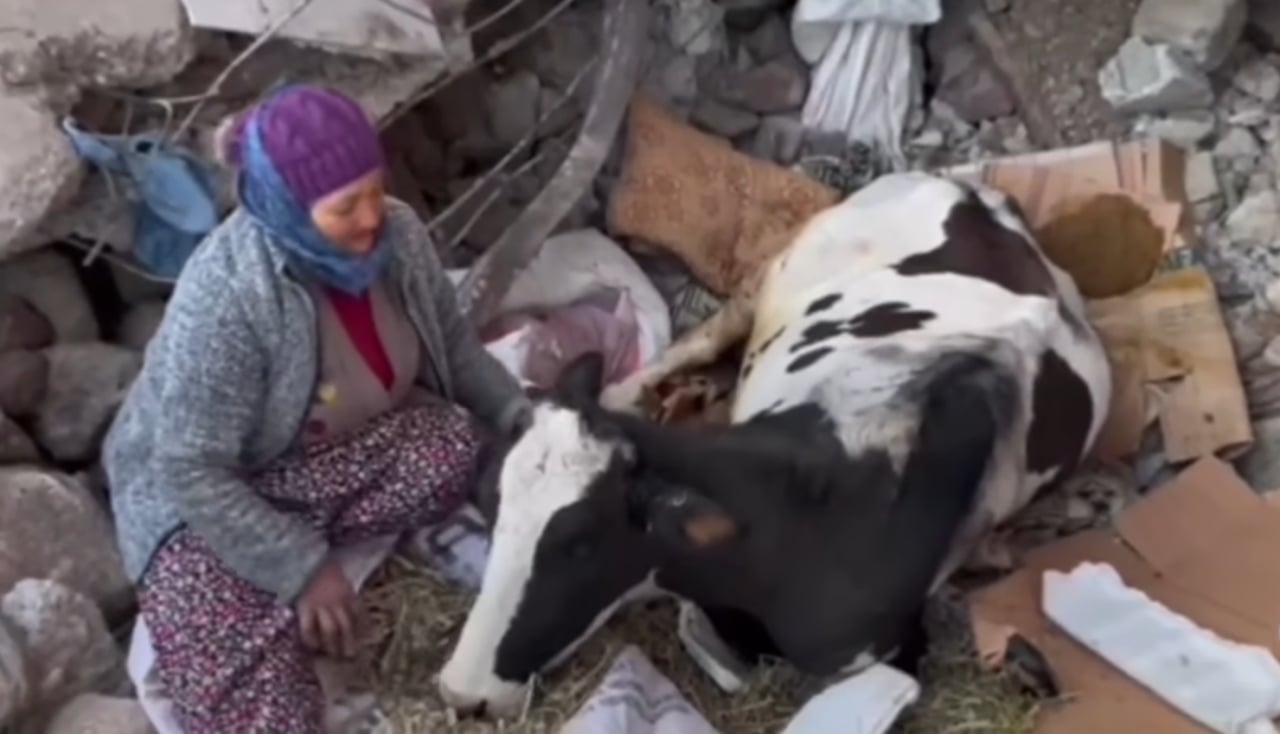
<point>699,347</point>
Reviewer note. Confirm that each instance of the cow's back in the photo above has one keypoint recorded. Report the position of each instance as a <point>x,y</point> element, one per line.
<point>876,289</point>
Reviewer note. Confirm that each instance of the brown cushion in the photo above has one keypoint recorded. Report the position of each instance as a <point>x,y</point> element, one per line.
<point>722,212</point>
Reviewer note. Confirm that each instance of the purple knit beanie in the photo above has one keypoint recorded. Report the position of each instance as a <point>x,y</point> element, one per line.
<point>319,140</point>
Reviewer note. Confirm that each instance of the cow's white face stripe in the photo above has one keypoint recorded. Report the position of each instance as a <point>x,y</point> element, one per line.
<point>550,467</point>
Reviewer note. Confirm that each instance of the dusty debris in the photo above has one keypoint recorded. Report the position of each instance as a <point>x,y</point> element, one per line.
<point>91,712</point>
<point>48,281</point>
<point>87,384</point>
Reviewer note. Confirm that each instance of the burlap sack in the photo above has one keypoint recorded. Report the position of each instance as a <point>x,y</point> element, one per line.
<point>721,212</point>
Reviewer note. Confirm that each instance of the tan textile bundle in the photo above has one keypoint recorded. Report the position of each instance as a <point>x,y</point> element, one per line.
<point>722,212</point>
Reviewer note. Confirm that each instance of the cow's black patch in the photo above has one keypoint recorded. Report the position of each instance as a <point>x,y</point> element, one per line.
<point>823,303</point>
<point>888,318</point>
<point>1062,411</point>
<point>808,359</point>
<point>978,246</point>
<point>884,319</point>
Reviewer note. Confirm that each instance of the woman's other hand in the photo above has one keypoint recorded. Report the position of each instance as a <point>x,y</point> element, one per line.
<point>328,612</point>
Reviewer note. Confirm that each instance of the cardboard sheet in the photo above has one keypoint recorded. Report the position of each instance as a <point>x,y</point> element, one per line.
<point>1204,545</point>
<point>1171,356</point>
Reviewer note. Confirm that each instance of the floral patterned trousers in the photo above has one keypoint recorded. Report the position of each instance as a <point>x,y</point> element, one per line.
<point>229,654</point>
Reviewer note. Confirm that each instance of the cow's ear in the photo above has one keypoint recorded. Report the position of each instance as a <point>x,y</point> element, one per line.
<point>684,518</point>
<point>581,381</point>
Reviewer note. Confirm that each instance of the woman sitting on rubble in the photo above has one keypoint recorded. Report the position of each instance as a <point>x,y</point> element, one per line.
<point>298,397</point>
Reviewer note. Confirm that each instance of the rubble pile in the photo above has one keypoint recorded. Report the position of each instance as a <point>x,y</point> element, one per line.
<point>469,157</point>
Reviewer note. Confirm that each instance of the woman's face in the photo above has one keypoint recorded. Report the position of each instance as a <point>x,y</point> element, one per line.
<point>350,217</point>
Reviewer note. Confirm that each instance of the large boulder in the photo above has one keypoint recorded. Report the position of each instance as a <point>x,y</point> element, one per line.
<point>140,324</point>
<point>39,170</point>
<point>90,43</point>
<point>16,447</point>
<point>22,326</point>
<point>51,528</point>
<point>1205,29</point>
<point>65,642</point>
<point>49,282</point>
<point>87,383</point>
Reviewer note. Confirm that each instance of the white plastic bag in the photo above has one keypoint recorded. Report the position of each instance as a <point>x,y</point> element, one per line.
<point>866,85</point>
<point>815,23</point>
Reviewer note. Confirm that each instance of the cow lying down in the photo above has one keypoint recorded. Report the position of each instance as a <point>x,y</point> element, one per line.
<point>916,371</point>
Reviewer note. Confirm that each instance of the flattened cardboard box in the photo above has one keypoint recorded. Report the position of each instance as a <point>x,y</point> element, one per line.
<point>1172,359</point>
<point>1203,545</point>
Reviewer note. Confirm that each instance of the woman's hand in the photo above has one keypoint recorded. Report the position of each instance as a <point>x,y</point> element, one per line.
<point>328,612</point>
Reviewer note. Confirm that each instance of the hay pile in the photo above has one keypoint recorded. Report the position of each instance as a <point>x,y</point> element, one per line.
<point>415,617</point>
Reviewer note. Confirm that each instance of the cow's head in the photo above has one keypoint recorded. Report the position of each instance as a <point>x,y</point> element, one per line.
<point>580,529</point>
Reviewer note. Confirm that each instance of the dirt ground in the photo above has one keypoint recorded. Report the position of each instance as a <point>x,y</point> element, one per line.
<point>1061,44</point>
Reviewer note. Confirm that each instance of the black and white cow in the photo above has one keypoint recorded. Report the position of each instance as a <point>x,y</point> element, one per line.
<point>916,372</point>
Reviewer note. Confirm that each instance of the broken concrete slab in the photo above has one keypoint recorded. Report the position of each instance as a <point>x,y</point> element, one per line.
<point>1205,29</point>
<point>87,384</point>
<point>1259,79</point>
<point>39,170</point>
<point>88,43</point>
<point>1186,129</point>
<point>1142,77</point>
<point>513,107</point>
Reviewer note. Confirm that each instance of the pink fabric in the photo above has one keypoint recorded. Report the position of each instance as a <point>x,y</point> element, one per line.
<point>229,654</point>
<point>605,322</point>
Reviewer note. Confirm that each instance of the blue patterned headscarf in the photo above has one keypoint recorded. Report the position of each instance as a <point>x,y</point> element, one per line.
<point>265,193</point>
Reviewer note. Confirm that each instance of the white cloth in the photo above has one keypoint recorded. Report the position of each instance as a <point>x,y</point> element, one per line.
<point>814,23</point>
<point>868,703</point>
<point>634,698</point>
<point>358,561</point>
<point>1227,686</point>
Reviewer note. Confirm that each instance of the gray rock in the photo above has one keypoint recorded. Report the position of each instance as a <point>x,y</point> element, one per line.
<point>1205,29</point>
<point>39,171</point>
<point>1258,78</point>
<point>1187,129</point>
<point>513,107</point>
<point>94,44</point>
<point>779,139</point>
<point>16,447</point>
<point>772,40</point>
<point>21,325</point>
<point>14,687</point>
<point>49,281</point>
<point>24,382</point>
<point>1264,21</point>
<point>91,712</point>
<point>696,27</point>
<point>723,120</point>
<point>961,74</point>
<point>1256,219</point>
<point>678,79</point>
<point>139,325</point>
<point>39,511</point>
<point>1146,78</point>
<point>1238,143</point>
<point>774,87</point>
<point>87,384</point>
<point>1201,180</point>
<point>65,641</point>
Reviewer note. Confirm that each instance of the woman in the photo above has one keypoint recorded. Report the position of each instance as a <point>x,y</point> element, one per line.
<point>298,397</point>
